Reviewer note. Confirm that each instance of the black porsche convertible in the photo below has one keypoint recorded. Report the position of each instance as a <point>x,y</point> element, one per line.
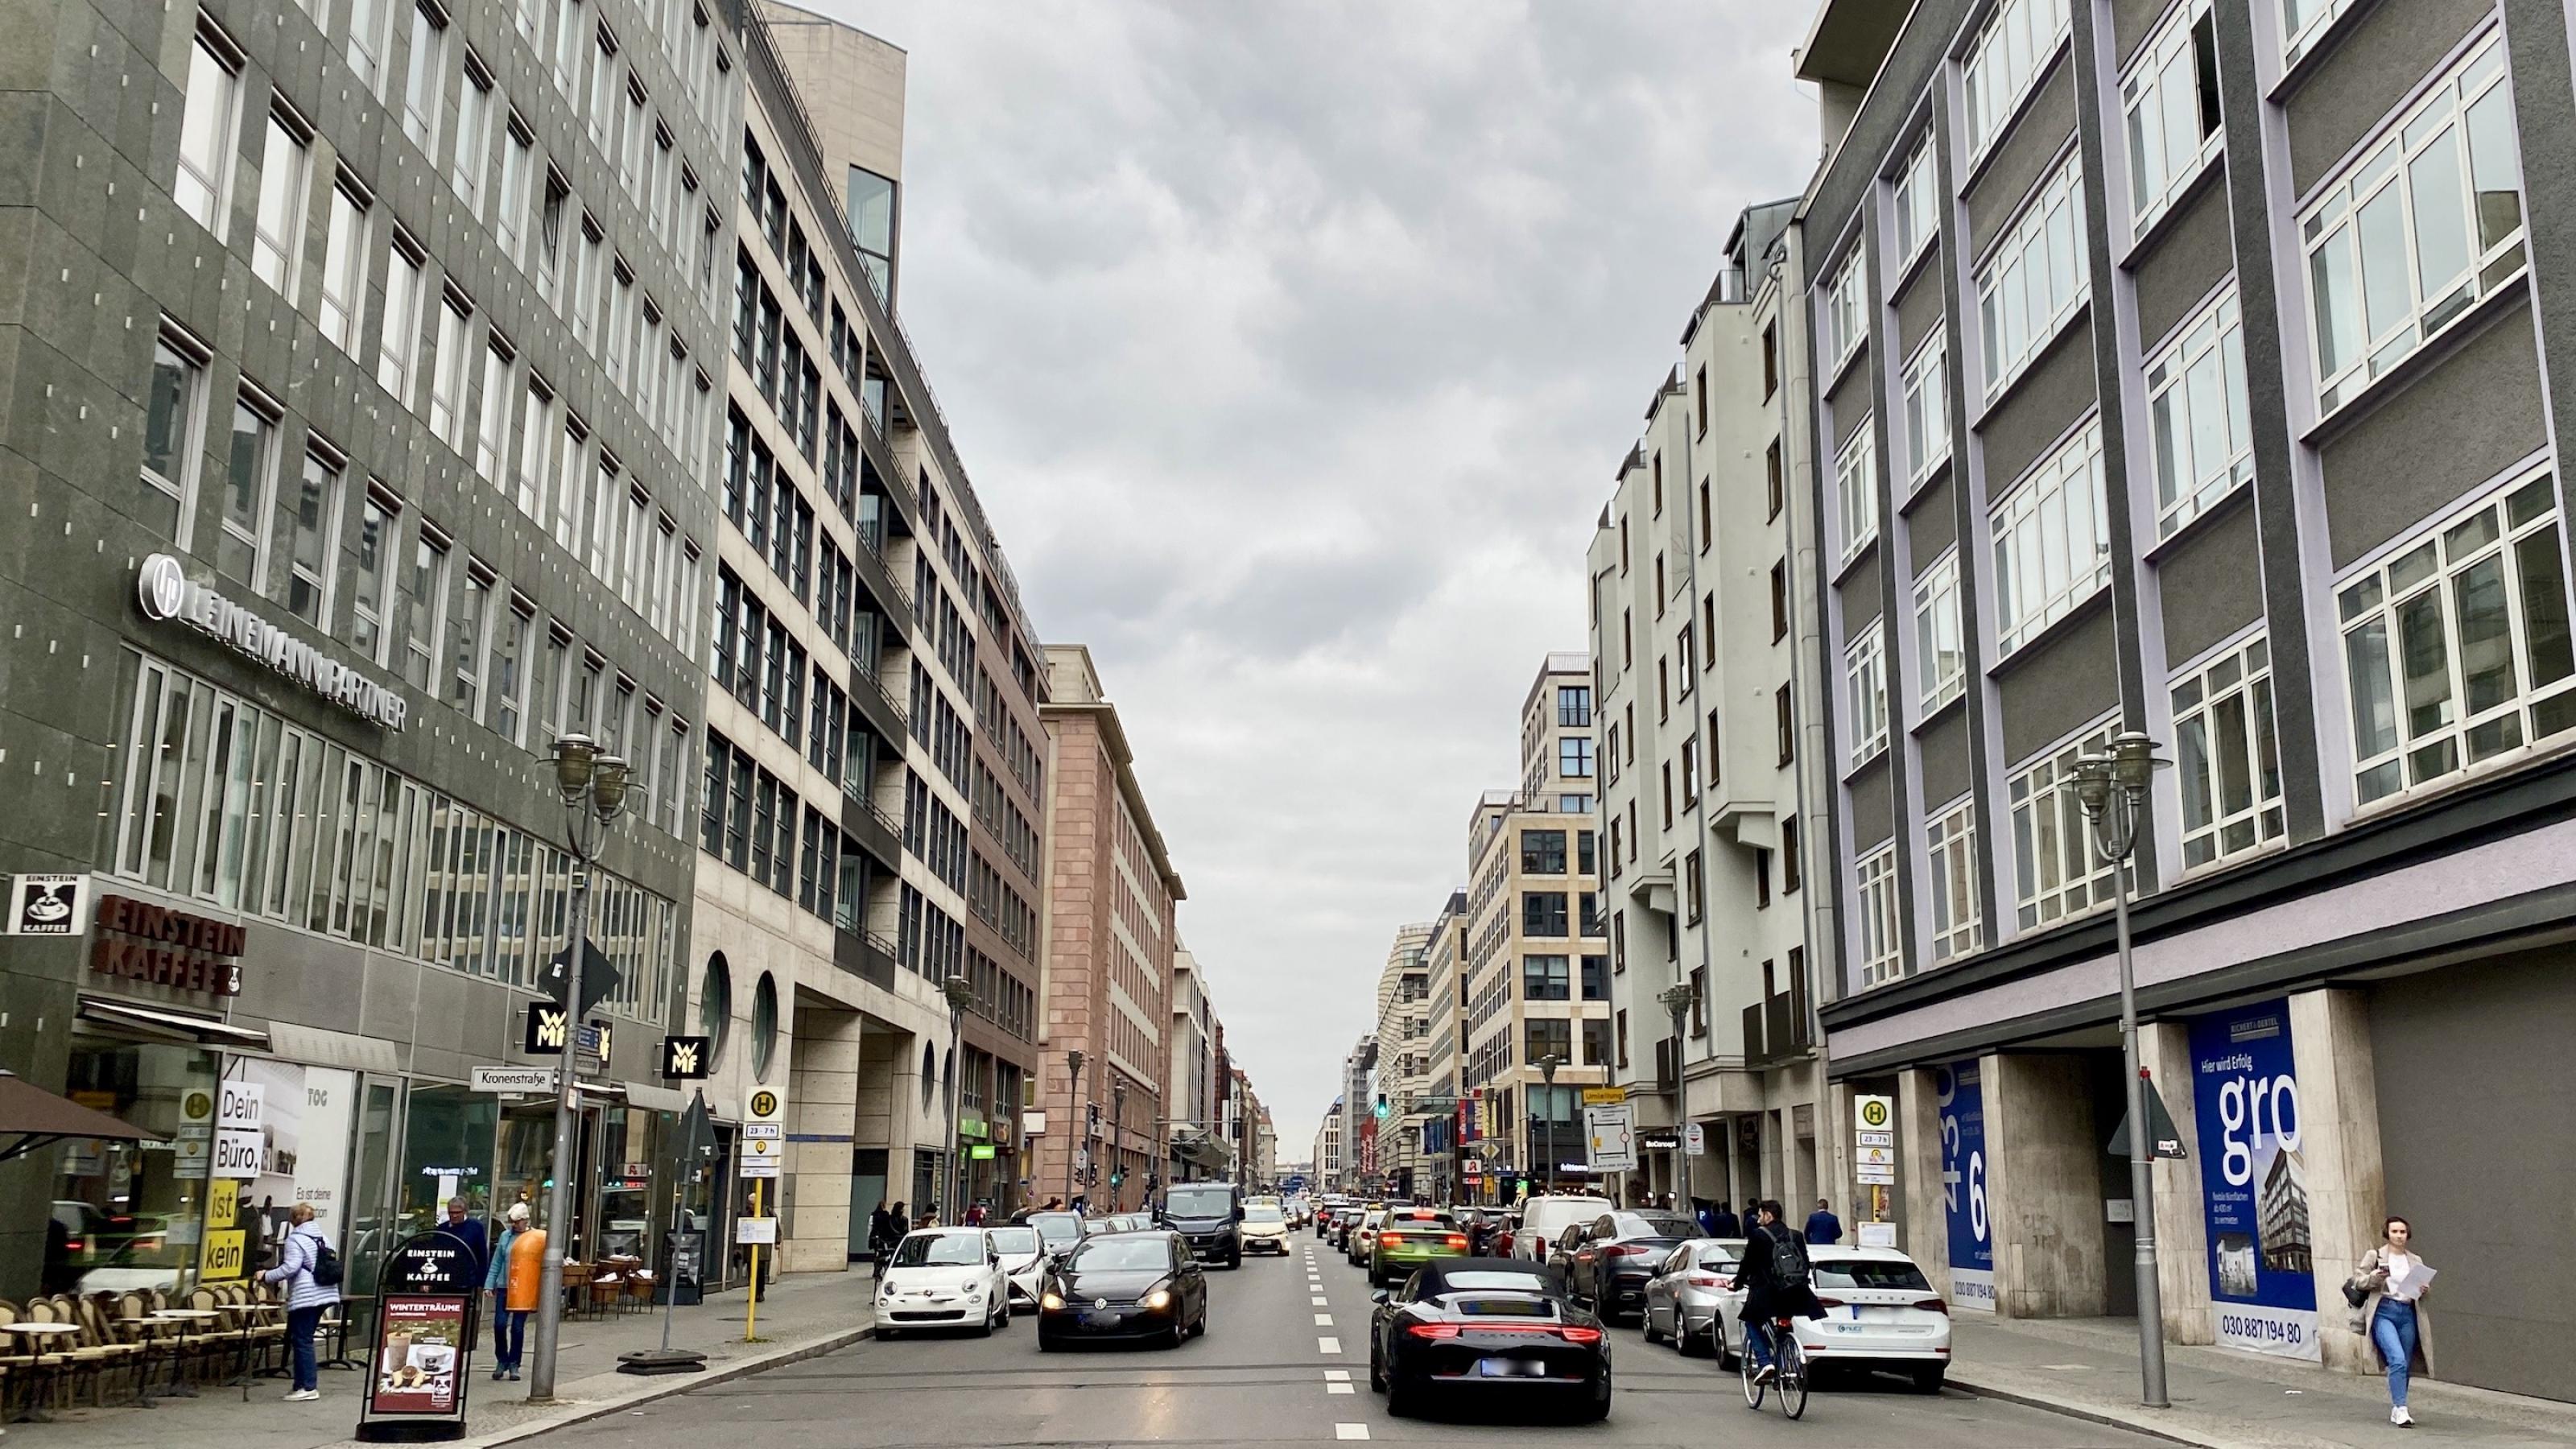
<point>1486,1326</point>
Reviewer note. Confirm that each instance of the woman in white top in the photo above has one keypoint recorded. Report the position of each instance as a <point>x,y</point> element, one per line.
<point>2396,1279</point>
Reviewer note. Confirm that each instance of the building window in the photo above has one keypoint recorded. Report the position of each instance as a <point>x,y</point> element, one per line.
<point>2230,772</point>
<point>1940,660</point>
<point>2060,874</point>
<point>316,525</point>
<point>2052,541</point>
<point>465,644</point>
<point>1865,672</point>
<point>398,344</point>
<point>1917,217</point>
<point>1694,888</point>
<point>872,227</point>
<point>1856,488</point>
<point>2204,441</point>
<point>1548,1038</point>
<point>1774,489</point>
<point>2171,97</point>
<point>1785,721</point>
<point>1543,913</point>
<point>367,43</point>
<point>173,418</point>
<point>424,603</point>
<point>1542,852</point>
<point>421,101</point>
<point>508,672</point>
<point>2003,61</point>
<point>250,491</point>
<point>2458,651</point>
<point>2035,279</point>
<point>1881,949</point>
<point>379,542</point>
<point>1573,706</point>
<point>2302,21</point>
<point>1844,325</point>
<point>1792,864</point>
<point>1574,756</point>
<point>1927,409</point>
<point>2391,264</point>
<point>1958,916</point>
<point>449,371</point>
<point>344,267</point>
<point>208,134</point>
<point>1543,978</point>
<point>473,135</point>
<point>491,431</point>
<point>285,175</point>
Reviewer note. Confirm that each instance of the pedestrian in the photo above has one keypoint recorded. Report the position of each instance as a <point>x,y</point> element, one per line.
<point>1724,1223</point>
<point>2391,1282</point>
<point>517,1279</point>
<point>1777,1281</point>
<point>468,1229</point>
<point>881,1237</point>
<point>1823,1228</point>
<point>304,1259</point>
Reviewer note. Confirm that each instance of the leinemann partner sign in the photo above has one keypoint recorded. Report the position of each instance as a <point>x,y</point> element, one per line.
<point>164,590</point>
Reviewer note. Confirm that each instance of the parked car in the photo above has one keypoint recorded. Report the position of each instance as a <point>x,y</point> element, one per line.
<point>1490,1327</point>
<point>1608,1261</point>
<point>1124,1223</point>
<point>1124,1286</point>
<point>1060,1230</point>
<point>942,1278</point>
<point>1880,1313</point>
<point>1408,1238</point>
<point>1024,1263</point>
<point>1544,1219</point>
<point>1265,1229</point>
<point>1692,1298</point>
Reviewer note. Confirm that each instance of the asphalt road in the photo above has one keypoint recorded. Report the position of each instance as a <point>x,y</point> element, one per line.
<point>1284,1361</point>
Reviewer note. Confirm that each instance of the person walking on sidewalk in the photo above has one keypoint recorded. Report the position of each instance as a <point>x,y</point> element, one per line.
<point>884,1231</point>
<point>2392,1280</point>
<point>516,1280</point>
<point>1823,1228</point>
<point>303,1252</point>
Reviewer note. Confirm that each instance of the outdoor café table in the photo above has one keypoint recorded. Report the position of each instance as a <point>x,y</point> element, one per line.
<point>33,1411</point>
<point>189,1320</point>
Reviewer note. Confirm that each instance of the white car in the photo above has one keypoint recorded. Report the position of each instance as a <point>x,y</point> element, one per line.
<point>1880,1313</point>
<point>1692,1297</point>
<point>1024,1262</point>
<point>943,1278</point>
<point>1545,1219</point>
<point>1265,1228</point>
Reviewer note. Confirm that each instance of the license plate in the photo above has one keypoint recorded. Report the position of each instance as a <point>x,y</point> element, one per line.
<point>1511,1368</point>
<point>1102,1320</point>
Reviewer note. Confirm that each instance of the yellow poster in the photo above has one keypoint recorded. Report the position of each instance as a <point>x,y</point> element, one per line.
<point>226,1244</point>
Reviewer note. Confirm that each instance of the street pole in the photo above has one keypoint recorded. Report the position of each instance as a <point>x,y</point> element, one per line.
<point>1117,1143</point>
<point>2112,790</point>
<point>1678,999</point>
<point>593,790</point>
<point>1547,1068</point>
<point>960,992</point>
<point>1077,1132</point>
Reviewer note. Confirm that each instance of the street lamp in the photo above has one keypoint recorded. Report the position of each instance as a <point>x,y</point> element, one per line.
<point>592,787</point>
<point>1117,1142</point>
<point>961,994</point>
<point>1547,1068</point>
<point>1678,999</point>
<point>1076,1138</point>
<point>2112,789</point>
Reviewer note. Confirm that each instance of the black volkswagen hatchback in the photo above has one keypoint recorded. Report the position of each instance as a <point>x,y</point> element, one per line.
<point>1491,1327</point>
<point>1124,1286</point>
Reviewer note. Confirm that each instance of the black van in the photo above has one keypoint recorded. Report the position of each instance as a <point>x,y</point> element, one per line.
<point>1210,1215</point>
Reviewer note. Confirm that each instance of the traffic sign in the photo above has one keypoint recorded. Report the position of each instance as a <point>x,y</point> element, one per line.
<point>764,1135</point>
<point>514,1079</point>
<point>1695,1139</point>
<point>1875,1139</point>
<point>1877,1156</point>
<point>1611,1132</point>
<point>1604,1096</point>
<point>1873,1114</point>
<point>1869,1176</point>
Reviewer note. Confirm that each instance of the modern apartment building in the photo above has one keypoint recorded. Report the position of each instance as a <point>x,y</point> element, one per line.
<point>1538,947</point>
<point>1444,963</point>
<point>1696,612</point>
<point>1110,937</point>
<point>1404,1055</point>
<point>364,367</point>
<point>2184,369</point>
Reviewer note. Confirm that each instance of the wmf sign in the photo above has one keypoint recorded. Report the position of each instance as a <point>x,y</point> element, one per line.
<point>686,1058</point>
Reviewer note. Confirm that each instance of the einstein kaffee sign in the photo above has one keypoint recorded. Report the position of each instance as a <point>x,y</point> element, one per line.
<point>166,594</point>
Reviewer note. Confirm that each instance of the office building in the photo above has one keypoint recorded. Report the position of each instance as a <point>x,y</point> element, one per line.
<point>1404,1057</point>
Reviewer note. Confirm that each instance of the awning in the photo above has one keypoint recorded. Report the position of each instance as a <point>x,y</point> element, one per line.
<point>314,1046</point>
<point>659,1099</point>
<point>40,1118</point>
<point>203,1030</point>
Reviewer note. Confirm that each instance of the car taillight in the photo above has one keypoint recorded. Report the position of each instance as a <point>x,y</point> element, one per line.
<point>1576,1333</point>
<point>1431,1330</point>
<point>1503,1246</point>
<point>74,1245</point>
<point>1829,1303</point>
<point>1700,1280</point>
<point>1390,1239</point>
<point>1458,1241</point>
<point>1930,1305</point>
<point>1627,1250</point>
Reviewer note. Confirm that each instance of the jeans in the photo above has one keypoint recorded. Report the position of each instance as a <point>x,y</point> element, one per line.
<point>509,1337</point>
<point>1757,1342</point>
<point>300,1326</point>
<point>2393,1329</point>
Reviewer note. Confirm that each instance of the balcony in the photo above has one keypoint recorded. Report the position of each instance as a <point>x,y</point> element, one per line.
<point>1776,1030</point>
<point>876,832</point>
<point>866,955</point>
<point>884,713</point>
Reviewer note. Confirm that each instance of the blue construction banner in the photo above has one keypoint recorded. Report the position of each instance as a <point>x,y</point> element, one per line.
<point>1962,1103</point>
<point>2254,1185</point>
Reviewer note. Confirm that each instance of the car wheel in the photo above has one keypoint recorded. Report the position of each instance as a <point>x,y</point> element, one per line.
<point>888,1335</point>
<point>1928,1378</point>
<point>1652,1333</point>
<point>1403,1396</point>
<point>1596,1407</point>
<point>1377,1369</point>
<point>1046,1342</point>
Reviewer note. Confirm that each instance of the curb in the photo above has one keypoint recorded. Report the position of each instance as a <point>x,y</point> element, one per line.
<point>666,1386</point>
<point>2141,1421</point>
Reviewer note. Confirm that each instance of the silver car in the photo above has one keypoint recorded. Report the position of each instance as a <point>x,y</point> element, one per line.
<point>1692,1297</point>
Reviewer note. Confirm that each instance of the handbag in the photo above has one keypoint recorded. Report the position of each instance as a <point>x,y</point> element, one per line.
<point>2354,1293</point>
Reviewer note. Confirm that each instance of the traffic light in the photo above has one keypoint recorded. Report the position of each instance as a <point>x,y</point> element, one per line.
<point>1117,1176</point>
<point>1380,1110</point>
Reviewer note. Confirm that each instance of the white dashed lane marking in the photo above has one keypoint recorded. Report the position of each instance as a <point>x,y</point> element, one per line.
<point>1350,1431</point>
<point>1319,1303</point>
<point>1338,1381</point>
<point>1323,1320</point>
<point>1328,1345</point>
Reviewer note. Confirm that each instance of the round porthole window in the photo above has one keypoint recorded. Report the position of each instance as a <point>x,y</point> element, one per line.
<point>715,1007</point>
<point>764,1026</point>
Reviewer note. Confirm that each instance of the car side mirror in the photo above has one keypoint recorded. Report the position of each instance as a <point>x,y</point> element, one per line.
<point>1381,1295</point>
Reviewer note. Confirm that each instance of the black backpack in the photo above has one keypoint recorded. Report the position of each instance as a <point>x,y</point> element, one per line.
<point>1790,1267</point>
<point>327,1270</point>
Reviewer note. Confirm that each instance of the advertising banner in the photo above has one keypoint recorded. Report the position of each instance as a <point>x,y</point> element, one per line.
<point>1962,1103</point>
<point>305,1124</point>
<point>2254,1186</point>
<point>419,1364</point>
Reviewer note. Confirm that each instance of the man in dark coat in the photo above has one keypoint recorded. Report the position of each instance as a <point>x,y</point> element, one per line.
<point>1766,1296</point>
<point>1725,1224</point>
<point>1823,1228</point>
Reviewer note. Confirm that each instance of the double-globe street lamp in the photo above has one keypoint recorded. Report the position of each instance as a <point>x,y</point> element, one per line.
<point>593,789</point>
<point>961,994</point>
<point>1547,1069</point>
<point>2112,788</point>
<point>1678,999</point>
<point>1077,1139</point>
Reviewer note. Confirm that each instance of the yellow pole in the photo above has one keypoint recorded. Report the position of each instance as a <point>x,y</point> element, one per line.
<point>751,1309</point>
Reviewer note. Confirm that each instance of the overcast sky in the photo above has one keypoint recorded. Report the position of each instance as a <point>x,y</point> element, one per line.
<point>1291,348</point>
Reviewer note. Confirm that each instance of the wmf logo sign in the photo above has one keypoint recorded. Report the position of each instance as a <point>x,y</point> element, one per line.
<point>686,1058</point>
<point>549,1029</point>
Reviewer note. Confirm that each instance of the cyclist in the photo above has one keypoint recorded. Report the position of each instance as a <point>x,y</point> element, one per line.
<point>1777,1279</point>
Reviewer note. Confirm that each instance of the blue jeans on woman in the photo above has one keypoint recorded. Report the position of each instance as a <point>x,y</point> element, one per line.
<point>2393,1329</point>
<point>301,1323</point>
<point>509,1338</point>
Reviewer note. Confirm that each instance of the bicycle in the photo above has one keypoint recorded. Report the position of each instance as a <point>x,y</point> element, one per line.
<point>1789,1361</point>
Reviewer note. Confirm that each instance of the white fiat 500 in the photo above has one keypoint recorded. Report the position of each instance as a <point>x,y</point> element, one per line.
<point>1880,1313</point>
<point>943,1278</point>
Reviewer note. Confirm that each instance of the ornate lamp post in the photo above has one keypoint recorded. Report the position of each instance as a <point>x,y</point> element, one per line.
<point>961,994</point>
<point>593,790</point>
<point>1117,1142</point>
<point>2112,789</point>
<point>1078,1125</point>
<point>1678,999</point>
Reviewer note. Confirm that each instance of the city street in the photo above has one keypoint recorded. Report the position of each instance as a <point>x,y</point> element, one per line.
<point>1276,1367</point>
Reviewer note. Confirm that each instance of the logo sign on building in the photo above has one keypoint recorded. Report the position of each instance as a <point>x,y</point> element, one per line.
<point>241,1145</point>
<point>549,1030</point>
<point>687,1058</point>
<point>1612,1134</point>
<point>46,905</point>
<point>2254,1187</point>
<point>165,593</point>
<point>139,941</point>
<point>1961,1101</point>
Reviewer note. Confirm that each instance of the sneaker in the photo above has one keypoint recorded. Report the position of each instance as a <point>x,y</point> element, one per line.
<point>514,1376</point>
<point>2402,1419</point>
<point>499,1374</point>
<point>303,1396</point>
<point>1766,1373</point>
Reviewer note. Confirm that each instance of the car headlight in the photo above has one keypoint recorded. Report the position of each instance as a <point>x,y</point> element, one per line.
<point>1051,1301</point>
<point>1159,1299</point>
<point>974,1290</point>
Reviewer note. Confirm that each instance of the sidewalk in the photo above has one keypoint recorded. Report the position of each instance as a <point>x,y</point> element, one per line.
<point>804,1315</point>
<point>2089,1368</point>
